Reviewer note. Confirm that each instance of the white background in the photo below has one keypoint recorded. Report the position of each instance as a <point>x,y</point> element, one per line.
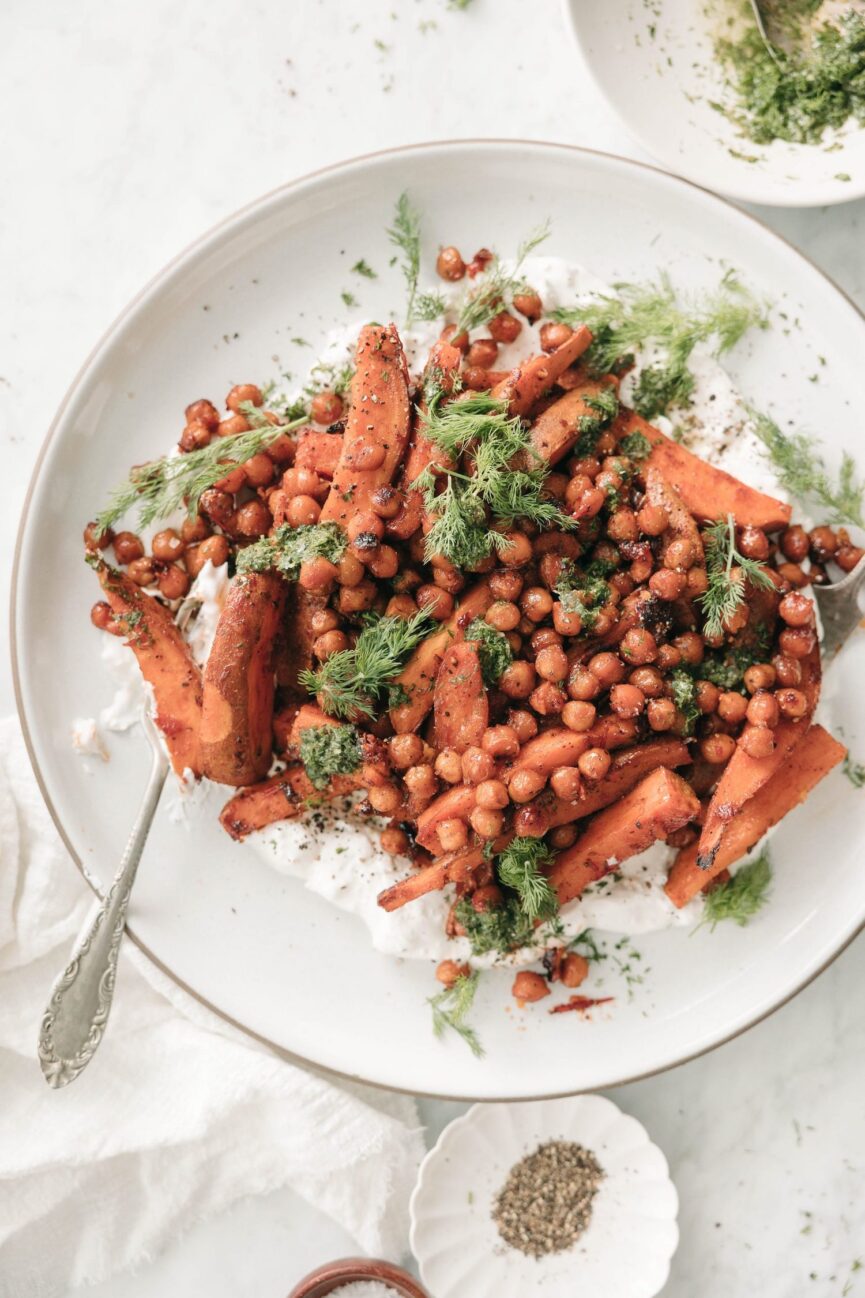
<point>128,129</point>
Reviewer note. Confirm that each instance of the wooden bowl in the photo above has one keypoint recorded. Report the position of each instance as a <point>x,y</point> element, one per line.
<point>328,1278</point>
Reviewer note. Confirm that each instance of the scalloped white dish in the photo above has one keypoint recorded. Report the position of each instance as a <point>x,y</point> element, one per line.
<point>631,1236</point>
<point>255,945</point>
<point>655,64</point>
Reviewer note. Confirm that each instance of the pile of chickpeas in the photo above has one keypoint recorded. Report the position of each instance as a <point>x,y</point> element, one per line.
<point>562,674</point>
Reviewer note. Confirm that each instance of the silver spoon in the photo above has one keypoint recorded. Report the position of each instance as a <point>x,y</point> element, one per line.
<point>838,604</point>
<point>75,1017</point>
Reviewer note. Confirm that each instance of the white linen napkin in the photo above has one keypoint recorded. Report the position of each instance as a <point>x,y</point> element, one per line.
<point>178,1115</point>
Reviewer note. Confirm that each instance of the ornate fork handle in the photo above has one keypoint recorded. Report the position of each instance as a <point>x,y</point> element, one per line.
<point>839,609</point>
<point>77,1012</point>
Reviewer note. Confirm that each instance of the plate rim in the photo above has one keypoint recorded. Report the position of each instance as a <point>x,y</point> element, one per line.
<point>196,246</point>
<point>767,195</point>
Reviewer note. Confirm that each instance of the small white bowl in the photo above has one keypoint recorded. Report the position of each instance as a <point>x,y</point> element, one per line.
<point>626,1249</point>
<point>656,66</point>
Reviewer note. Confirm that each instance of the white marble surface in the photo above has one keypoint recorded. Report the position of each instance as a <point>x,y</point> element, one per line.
<point>128,129</point>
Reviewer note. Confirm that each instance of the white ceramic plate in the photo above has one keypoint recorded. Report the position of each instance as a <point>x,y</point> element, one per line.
<point>254,944</point>
<point>627,1246</point>
<point>655,63</point>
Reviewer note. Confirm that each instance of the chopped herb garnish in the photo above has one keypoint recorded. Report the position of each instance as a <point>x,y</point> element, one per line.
<point>497,286</point>
<point>742,896</point>
<point>500,928</point>
<point>605,407</point>
<point>290,547</point>
<point>363,268</point>
<point>636,446</point>
<point>451,1007</point>
<point>404,234</point>
<point>582,593</point>
<point>348,298</point>
<point>801,471</point>
<point>684,691</point>
<point>330,377</point>
<point>854,771</point>
<point>494,651</point>
<point>351,682</point>
<point>329,750</point>
<point>728,572</point>
<point>429,306</point>
<point>520,866</point>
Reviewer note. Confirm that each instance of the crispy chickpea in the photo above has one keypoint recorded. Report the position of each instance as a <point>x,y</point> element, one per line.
<point>529,987</point>
<point>757,741</point>
<point>763,710</point>
<point>394,841</point>
<point>791,703</point>
<point>259,470</point>
<point>638,646</point>
<point>502,616</point>
<point>142,571</point>
<point>548,700</point>
<point>690,647</point>
<point>234,479</point>
<point>194,529</point>
<point>193,560</point>
<point>563,836</point>
<point>518,550</point>
<point>544,638</point>
<point>590,503</point>
<point>525,784</point>
<point>529,304</point>
<point>167,546</point>
<point>420,780</point>
<point>788,670</point>
<point>400,606</point>
<point>486,823</point>
<point>326,407</point>
<point>101,615</point>
<point>652,520</point>
<point>241,393</point>
<point>328,643</point>
<point>669,657</point>
<point>203,412</point>
<point>482,353</point>
<point>449,264</point>
<point>452,835</point>
<point>501,741</point>
<point>384,562</point>
<point>505,328</point>
<point>233,425</point>
<point>680,554</point>
<point>324,619</point>
<point>492,795</point>
<point>627,700</point>
<point>796,610</point>
<point>566,783</point>
<point>506,585</point>
<point>365,524</point>
<point>386,501</point>
<point>438,603</point>
<point>386,799</point>
<point>477,765</point>
<point>579,715</point>
<point>214,549</point>
<point>608,668</point>
<point>536,603</point>
<point>531,821</point>
<point>254,518</point>
<point>573,970</point>
<point>94,539</point>
<point>732,707</point>
<point>793,575</point>
<point>847,557</point>
<point>476,378</point>
<point>449,971</point>
<point>350,571</point>
<point>578,485</point>
<point>594,763</point>
<point>566,623</point>
<point>754,543</point>
<point>298,481</point>
<point>667,584</point>
<point>661,714</point>
<point>553,335</point>
<point>356,599</point>
<point>218,505</point>
<point>173,582</point>
<point>649,680</point>
<point>622,526</point>
<point>195,436</point>
<point>448,766</point>
<point>759,676</point>
<point>127,547</point>
<point>583,684</point>
<point>706,696</point>
<point>518,680</point>
<point>523,724</point>
<point>406,751</point>
<point>823,543</point>
<point>796,642</point>
<point>487,898</point>
<point>718,748</point>
<point>551,663</point>
<point>795,544</point>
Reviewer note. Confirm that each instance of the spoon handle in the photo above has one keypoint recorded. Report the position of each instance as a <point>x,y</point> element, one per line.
<point>77,1011</point>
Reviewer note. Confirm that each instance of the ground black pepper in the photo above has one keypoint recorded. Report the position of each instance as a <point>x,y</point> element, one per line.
<point>546,1202</point>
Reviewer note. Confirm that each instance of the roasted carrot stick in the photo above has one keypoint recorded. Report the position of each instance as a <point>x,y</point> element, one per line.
<point>660,491</point>
<point>628,767</point>
<point>555,747</point>
<point>812,758</point>
<point>456,867</point>
<point>319,451</point>
<point>659,805</point>
<point>557,430</point>
<point>456,803</point>
<point>165,662</point>
<point>461,708</point>
<point>528,382</point>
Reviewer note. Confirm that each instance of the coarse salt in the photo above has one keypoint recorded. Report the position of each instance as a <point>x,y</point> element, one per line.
<point>366,1289</point>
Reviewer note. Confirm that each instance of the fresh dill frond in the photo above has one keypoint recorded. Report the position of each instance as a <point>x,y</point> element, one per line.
<point>499,928</point>
<point>742,896</point>
<point>497,286</point>
<point>520,867</point>
<point>727,571</point>
<point>349,299</point>
<point>329,376</point>
<point>643,314</point>
<point>586,945</point>
<point>289,547</point>
<point>683,688</point>
<point>451,1007</point>
<point>854,771</point>
<point>494,651</point>
<point>404,234</point>
<point>350,683</point>
<point>801,471</point>
<point>480,425</point>
<point>326,751</point>
<point>362,267</point>
<point>160,487</point>
<point>429,306</point>
<point>582,593</point>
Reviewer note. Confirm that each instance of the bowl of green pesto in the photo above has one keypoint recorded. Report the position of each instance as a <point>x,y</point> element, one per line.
<point>699,89</point>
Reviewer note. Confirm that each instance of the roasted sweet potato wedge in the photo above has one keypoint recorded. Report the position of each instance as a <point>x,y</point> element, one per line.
<point>708,492</point>
<point>659,805</point>
<point>744,776</point>
<point>555,747</point>
<point>237,711</point>
<point>318,451</point>
<point>166,664</point>
<point>813,757</point>
<point>461,708</point>
<point>528,382</point>
<point>627,769</point>
<point>418,677</point>
<point>556,431</point>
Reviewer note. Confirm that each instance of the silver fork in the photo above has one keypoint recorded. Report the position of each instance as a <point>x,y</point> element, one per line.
<point>838,604</point>
<point>75,1017</point>
<point>779,34</point>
